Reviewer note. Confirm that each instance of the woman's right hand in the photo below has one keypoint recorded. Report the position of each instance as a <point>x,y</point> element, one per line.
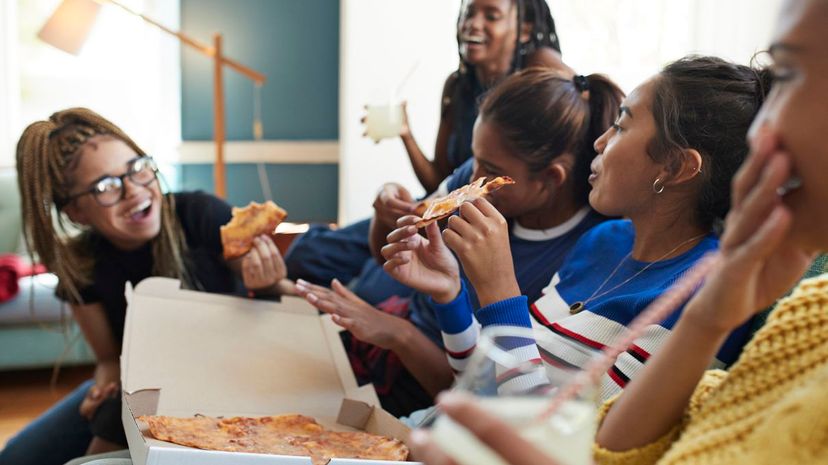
<point>393,201</point>
<point>759,260</point>
<point>423,263</point>
<point>107,384</point>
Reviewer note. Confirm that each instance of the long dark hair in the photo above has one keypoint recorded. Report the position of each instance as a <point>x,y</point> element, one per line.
<point>707,104</point>
<point>543,116</point>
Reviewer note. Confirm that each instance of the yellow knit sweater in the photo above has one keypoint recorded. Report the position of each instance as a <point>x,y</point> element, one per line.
<point>770,408</point>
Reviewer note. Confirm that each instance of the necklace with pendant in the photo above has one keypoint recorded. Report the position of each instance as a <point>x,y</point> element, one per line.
<point>580,305</point>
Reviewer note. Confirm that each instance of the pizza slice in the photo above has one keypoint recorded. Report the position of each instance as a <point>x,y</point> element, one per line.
<point>253,220</point>
<point>443,207</point>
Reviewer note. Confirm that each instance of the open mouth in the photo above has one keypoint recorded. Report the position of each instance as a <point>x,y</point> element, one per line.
<point>793,183</point>
<point>473,40</point>
<point>140,211</point>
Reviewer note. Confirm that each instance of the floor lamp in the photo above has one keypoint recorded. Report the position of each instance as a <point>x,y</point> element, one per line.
<point>70,24</point>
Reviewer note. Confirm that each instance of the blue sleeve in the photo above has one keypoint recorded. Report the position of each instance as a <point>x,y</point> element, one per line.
<point>461,176</point>
<point>510,312</point>
<point>456,316</point>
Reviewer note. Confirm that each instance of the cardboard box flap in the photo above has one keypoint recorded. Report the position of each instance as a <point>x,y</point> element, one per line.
<point>221,355</point>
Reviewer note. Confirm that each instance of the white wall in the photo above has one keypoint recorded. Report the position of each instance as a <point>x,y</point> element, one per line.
<point>631,40</point>
<point>380,41</point>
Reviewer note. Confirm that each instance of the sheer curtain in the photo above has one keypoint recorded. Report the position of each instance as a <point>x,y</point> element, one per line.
<point>128,71</point>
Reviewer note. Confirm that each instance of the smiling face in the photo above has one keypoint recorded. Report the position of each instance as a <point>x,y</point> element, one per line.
<point>797,112</point>
<point>128,224</point>
<point>623,173</point>
<point>488,31</point>
<point>493,157</point>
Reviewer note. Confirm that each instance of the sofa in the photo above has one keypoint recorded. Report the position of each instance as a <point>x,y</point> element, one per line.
<point>36,329</point>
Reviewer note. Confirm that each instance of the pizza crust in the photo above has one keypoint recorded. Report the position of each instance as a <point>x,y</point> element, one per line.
<point>443,207</point>
<point>253,220</point>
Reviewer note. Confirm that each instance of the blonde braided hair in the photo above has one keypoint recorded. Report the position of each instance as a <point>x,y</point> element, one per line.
<point>46,154</point>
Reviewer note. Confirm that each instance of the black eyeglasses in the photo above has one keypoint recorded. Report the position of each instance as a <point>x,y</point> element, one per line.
<point>109,190</point>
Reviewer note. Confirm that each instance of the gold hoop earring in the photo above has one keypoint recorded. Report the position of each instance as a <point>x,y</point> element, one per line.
<point>658,188</point>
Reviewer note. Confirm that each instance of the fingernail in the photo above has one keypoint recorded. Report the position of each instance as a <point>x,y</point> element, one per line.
<point>302,282</point>
<point>418,437</point>
<point>336,281</point>
<point>312,298</point>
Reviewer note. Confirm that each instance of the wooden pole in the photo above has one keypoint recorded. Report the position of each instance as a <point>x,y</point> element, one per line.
<point>220,183</point>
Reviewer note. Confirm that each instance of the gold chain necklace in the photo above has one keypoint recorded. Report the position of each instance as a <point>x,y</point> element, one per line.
<point>580,305</point>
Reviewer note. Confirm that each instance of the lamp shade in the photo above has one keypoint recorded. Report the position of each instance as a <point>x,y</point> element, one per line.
<point>70,24</point>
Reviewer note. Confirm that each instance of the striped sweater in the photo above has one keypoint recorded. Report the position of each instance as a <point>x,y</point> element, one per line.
<point>634,286</point>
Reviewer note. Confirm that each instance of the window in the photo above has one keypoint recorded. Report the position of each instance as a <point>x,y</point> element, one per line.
<point>128,71</point>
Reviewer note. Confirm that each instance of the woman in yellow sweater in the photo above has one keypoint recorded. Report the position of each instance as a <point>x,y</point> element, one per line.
<point>771,407</point>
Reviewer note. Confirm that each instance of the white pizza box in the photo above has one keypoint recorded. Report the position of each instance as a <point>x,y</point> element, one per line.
<point>188,352</point>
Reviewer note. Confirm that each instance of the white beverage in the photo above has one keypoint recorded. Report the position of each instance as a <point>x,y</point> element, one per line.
<point>566,437</point>
<point>384,121</point>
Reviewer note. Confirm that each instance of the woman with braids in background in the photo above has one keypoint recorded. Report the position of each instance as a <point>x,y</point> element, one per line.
<point>495,39</point>
<point>79,171</point>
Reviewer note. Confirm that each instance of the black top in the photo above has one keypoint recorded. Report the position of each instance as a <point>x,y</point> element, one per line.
<point>200,215</point>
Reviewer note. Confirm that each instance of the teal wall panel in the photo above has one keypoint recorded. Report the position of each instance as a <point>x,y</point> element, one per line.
<point>294,42</point>
<point>307,191</point>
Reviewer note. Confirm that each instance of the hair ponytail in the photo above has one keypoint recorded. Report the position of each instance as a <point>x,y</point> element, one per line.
<point>604,98</point>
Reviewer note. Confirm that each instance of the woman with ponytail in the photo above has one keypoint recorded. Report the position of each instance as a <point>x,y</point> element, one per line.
<point>665,167</point>
<point>94,214</point>
<point>536,127</point>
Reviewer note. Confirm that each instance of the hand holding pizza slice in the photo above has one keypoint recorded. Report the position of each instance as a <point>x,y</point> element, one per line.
<point>443,207</point>
<point>247,223</point>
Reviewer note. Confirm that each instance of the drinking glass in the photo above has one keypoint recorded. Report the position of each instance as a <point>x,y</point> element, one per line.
<point>515,380</point>
<point>384,121</point>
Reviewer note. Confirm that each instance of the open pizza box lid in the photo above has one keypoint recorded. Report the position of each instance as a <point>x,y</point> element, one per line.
<point>188,352</point>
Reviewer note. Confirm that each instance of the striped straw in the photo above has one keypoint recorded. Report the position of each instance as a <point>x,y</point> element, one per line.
<point>656,312</point>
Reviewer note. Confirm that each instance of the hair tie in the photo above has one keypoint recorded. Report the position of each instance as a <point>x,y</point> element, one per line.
<point>581,83</point>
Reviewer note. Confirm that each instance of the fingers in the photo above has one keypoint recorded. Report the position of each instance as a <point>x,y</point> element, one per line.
<point>757,203</point>
<point>303,288</point>
<point>502,438</point>
<point>323,303</point>
<point>751,170</point>
<point>769,236</point>
<point>345,322</point>
<point>265,256</point>
<point>486,208</point>
<point>425,450</point>
<point>470,213</point>
<point>343,291</point>
<point>435,238</point>
<point>461,227</point>
<point>397,249</point>
<point>408,220</point>
<point>402,233</point>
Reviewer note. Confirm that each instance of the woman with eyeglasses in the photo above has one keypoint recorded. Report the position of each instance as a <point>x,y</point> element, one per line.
<point>79,172</point>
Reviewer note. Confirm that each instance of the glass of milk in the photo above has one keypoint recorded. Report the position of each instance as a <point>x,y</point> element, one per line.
<point>383,121</point>
<point>513,382</point>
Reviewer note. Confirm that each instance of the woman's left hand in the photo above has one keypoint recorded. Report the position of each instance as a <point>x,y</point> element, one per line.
<point>480,238</point>
<point>496,434</point>
<point>366,323</point>
<point>263,267</point>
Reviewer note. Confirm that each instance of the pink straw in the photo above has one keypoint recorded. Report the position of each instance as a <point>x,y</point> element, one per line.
<point>656,312</point>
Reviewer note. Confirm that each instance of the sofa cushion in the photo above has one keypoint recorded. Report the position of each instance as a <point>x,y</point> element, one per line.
<point>45,309</point>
